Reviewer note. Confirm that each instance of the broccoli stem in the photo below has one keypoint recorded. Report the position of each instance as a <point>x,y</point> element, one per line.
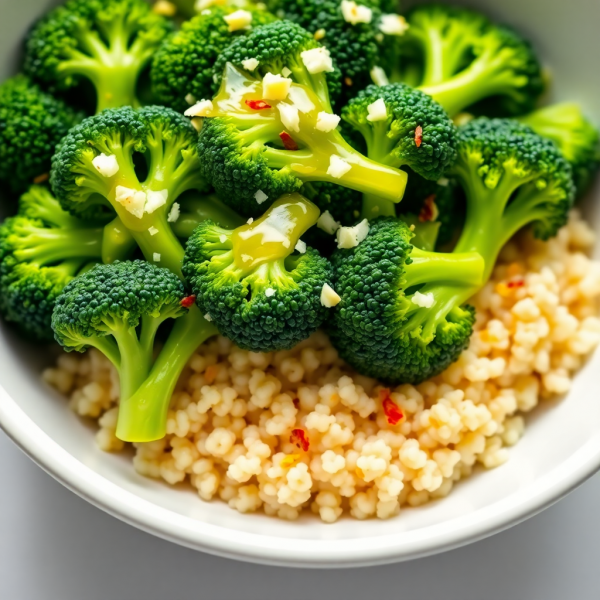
<point>115,87</point>
<point>143,415</point>
<point>135,360</point>
<point>375,206</point>
<point>117,242</point>
<point>196,210</point>
<point>435,51</point>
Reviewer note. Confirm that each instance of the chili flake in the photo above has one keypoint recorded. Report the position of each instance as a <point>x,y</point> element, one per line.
<point>390,408</point>
<point>288,141</point>
<point>418,136</point>
<point>211,374</point>
<point>41,178</point>
<point>300,439</point>
<point>257,104</point>
<point>188,301</point>
<point>429,210</point>
<point>516,283</point>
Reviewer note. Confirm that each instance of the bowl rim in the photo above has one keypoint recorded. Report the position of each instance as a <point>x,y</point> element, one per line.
<point>290,552</point>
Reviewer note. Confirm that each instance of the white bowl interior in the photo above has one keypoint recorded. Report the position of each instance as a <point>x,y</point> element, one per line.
<point>561,446</point>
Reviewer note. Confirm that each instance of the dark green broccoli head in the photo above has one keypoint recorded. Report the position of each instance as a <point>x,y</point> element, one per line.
<point>32,123</point>
<point>519,176</point>
<point>279,46</point>
<point>251,285</point>
<point>110,300</point>
<point>184,63</point>
<point>108,42</point>
<point>415,131</point>
<point>576,137</point>
<point>401,318</point>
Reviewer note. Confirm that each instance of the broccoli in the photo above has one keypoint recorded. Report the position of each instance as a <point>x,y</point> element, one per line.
<point>251,285</point>
<point>357,46</point>
<point>467,59</point>
<point>97,165</point>
<point>255,149</point>
<point>576,137</point>
<point>401,318</point>
<point>41,250</point>
<point>183,66</point>
<point>32,122</point>
<point>106,42</point>
<point>118,309</point>
<point>402,127</point>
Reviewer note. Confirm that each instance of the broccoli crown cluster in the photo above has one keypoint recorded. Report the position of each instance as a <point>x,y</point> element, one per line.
<point>368,326</point>
<point>109,298</point>
<point>31,125</point>
<point>416,132</point>
<point>184,63</point>
<point>105,41</point>
<point>268,305</point>
<point>277,46</point>
<point>503,155</point>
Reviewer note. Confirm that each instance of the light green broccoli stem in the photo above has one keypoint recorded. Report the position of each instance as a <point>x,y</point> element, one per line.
<point>203,208</point>
<point>117,242</point>
<point>143,415</point>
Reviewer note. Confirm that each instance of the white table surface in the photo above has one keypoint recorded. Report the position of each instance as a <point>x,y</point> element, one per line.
<point>55,546</point>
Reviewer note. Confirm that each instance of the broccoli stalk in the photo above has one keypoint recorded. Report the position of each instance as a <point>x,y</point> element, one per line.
<point>250,284</point>
<point>108,42</point>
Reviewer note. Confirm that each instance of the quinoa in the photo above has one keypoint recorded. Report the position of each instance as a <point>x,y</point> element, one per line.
<point>236,417</point>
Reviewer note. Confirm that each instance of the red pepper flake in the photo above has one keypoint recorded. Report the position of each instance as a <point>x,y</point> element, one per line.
<point>188,301</point>
<point>257,104</point>
<point>288,141</point>
<point>390,408</point>
<point>41,178</point>
<point>429,210</point>
<point>300,439</point>
<point>418,136</point>
<point>296,402</point>
<point>516,283</point>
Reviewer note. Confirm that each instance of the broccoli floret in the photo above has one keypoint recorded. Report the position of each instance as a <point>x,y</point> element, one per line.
<point>401,317</point>
<point>413,132</point>
<point>576,137</point>
<point>98,162</point>
<point>183,66</point>
<point>118,309</point>
<point>356,46</point>
<point>255,149</point>
<point>107,42</point>
<point>32,122</point>
<point>278,48</point>
<point>512,178</point>
<point>504,74</point>
<point>41,250</point>
<point>251,285</point>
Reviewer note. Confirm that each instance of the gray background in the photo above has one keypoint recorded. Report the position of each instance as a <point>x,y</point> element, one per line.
<point>55,546</point>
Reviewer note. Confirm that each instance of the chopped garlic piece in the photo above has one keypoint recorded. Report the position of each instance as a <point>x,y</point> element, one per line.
<point>107,166</point>
<point>356,13</point>
<point>286,72</point>
<point>327,122</point>
<point>222,238</point>
<point>203,108</point>
<point>443,182</point>
<point>260,197</point>
<point>269,292</point>
<point>275,87</point>
<point>250,221</point>
<point>208,317</point>
<point>349,237</point>
<point>202,5</point>
<point>289,116</point>
<point>338,167</point>
<point>164,8</point>
<point>247,258</point>
<point>377,111</point>
<point>152,231</point>
<point>155,200</point>
<point>317,60</point>
<point>379,76</point>
<point>240,19</point>
<point>156,257</point>
<point>300,99</point>
<point>174,213</point>
<point>329,297</point>
<point>423,300</point>
<point>190,99</point>
<point>319,34</point>
<point>133,200</point>
<point>300,247</point>
<point>327,223</point>
<point>250,64</point>
<point>393,25</point>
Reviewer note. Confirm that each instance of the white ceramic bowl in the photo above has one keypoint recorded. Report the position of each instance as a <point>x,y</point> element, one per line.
<point>560,450</point>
